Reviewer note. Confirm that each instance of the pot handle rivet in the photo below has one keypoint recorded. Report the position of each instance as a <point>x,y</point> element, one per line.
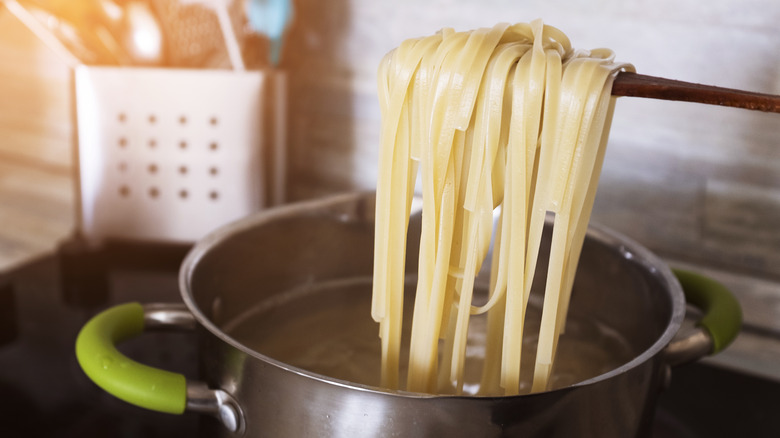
<point>215,402</point>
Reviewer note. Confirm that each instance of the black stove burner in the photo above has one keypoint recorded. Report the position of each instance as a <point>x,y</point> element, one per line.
<point>43,305</point>
<point>43,392</point>
<point>713,402</point>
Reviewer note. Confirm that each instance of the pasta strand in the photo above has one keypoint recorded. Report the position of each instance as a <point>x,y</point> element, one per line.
<point>507,127</point>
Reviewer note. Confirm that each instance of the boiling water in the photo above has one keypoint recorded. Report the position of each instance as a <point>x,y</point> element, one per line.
<point>327,328</point>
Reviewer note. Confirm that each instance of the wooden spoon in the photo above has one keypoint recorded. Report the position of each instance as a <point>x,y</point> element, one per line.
<point>636,85</point>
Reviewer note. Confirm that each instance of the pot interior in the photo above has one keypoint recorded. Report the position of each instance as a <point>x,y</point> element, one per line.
<point>294,284</point>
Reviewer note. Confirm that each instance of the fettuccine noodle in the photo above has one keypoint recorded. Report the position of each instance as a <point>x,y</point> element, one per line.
<point>510,116</point>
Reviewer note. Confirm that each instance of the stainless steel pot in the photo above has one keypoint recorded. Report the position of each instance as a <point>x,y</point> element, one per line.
<point>247,283</point>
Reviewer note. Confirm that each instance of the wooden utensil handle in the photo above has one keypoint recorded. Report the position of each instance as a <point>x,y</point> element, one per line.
<point>637,85</point>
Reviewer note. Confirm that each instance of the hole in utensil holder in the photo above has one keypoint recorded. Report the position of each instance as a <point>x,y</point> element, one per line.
<point>154,192</point>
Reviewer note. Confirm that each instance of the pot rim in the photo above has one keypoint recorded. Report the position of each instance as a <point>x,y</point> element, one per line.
<point>628,247</point>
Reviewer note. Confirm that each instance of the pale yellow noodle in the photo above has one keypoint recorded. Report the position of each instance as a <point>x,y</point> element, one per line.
<point>509,116</point>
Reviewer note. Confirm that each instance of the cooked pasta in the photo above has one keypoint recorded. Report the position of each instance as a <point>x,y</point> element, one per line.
<point>509,116</point>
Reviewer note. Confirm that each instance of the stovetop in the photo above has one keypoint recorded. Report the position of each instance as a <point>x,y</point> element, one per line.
<point>43,392</point>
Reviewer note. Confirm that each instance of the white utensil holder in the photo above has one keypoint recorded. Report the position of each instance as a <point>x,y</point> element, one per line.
<point>168,155</point>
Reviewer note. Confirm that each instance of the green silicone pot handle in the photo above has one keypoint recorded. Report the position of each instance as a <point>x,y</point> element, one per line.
<point>135,383</point>
<point>722,312</point>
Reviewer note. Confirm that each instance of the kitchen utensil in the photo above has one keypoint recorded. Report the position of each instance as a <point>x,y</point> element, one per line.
<point>220,8</point>
<point>636,85</point>
<point>192,34</point>
<point>141,34</point>
<point>109,28</point>
<point>167,154</point>
<point>110,12</point>
<point>132,30</point>
<point>270,18</point>
<point>97,33</point>
<point>292,263</point>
